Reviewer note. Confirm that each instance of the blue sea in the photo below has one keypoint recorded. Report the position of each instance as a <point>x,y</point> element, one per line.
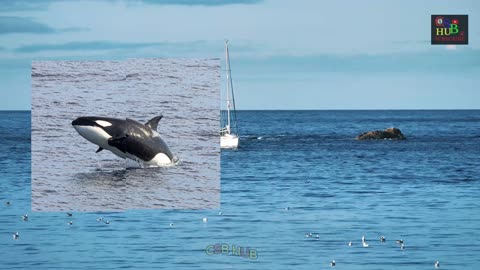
<point>296,172</point>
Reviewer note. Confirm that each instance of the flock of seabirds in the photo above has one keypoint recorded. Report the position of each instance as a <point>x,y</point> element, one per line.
<point>400,242</point>
<point>365,244</point>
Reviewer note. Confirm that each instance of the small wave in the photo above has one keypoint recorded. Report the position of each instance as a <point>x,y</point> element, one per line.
<point>318,195</point>
<point>252,137</point>
<point>34,74</point>
<point>132,75</point>
<point>292,137</point>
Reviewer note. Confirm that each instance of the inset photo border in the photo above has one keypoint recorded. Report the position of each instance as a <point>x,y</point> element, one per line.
<point>120,135</point>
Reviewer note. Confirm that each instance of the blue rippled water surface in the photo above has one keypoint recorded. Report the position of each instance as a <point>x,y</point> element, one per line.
<point>296,172</point>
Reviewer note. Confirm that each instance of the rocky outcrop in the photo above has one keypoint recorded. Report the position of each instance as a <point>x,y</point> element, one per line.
<point>387,134</point>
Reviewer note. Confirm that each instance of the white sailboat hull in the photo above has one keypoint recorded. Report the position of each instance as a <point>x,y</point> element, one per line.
<point>229,141</point>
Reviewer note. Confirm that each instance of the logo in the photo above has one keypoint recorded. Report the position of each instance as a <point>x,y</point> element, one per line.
<point>232,250</point>
<point>449,29</point>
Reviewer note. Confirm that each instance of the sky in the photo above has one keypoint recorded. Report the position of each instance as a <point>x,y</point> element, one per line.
<point>303,54</point>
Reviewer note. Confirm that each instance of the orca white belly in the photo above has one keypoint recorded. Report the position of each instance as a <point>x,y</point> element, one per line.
<point>99,137</point>
<point>159,160</point>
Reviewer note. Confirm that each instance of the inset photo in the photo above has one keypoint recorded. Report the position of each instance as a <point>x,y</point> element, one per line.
<point>120,135</point>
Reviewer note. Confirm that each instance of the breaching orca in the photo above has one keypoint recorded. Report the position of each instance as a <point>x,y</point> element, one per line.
<point>127,139</point>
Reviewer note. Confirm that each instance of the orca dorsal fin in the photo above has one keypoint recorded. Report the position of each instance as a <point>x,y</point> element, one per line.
<point>153,123</point>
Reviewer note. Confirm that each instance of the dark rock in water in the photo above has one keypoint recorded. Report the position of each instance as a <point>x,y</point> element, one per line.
<point>389,133</point>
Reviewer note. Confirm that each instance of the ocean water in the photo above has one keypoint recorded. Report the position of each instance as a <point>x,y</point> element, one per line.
<point>296,172</point>
<point>67,174</point>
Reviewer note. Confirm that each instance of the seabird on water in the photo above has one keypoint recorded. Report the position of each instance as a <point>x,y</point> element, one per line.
<point>25,217</point>
<point>171,224</point>
<point>16,236</point>
<point>402,246</point>
<point>205,220</point>
<point>382,238</point>
<point>332,263</point>
<point>70,222</point>
<point>399,241</point>
<point>69,214</point>
<point>350,243</point>
<point>437,264</point>
<point>316,235</point>
<point>100,219</point>
<point>364,244</point>
<point>107,222</point>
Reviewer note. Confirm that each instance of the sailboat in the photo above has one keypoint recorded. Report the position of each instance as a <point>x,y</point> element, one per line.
<point>229,133</point>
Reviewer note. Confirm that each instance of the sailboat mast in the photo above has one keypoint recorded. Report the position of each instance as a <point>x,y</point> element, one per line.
<point>227,64</point>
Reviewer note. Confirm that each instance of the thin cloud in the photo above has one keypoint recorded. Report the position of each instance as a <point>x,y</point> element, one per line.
<point>412,41</point>
<point>25,25</point>
<point>10,24</point>
<point>431,61</point>
<point>24,5</point>
<point>106,45</point>
<point>201,2</point>
<point>44,4</point>
<point>74,29</point>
